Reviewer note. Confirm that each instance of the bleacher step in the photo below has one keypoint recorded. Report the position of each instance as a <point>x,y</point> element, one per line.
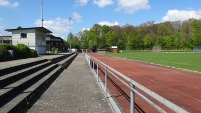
<point>9,95</point>
<point>12,105</point>
<point>12,66</point>
<point>11,79</point>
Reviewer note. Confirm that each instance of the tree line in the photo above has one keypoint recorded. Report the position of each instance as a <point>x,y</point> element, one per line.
<point>168,35</point>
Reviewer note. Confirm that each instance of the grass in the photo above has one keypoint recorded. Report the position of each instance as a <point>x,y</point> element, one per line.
<point>184,60</point>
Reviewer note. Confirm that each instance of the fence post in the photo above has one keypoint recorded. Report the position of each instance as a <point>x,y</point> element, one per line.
<point>132,99</point>
<point>106,81</point>
<point>93,65</point>
<point>97,71</point>
<point>89,60</point>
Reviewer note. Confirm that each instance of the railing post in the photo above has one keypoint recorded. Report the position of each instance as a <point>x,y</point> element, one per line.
<point>89,60</point>
<point>106,81</point>
<point>93,65</point>
<point>132,99</point>
<point>97,71</point>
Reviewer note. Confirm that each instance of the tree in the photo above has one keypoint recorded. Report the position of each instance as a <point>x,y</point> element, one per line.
<point>178,34</point>
<point>147,42</point>
<point>111,38</point>
<point>196,32</point>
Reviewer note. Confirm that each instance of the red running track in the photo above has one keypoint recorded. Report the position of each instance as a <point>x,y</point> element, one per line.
<point>181,87</point>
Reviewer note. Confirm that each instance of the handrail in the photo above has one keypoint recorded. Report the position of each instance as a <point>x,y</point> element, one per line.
<point>155,96</point>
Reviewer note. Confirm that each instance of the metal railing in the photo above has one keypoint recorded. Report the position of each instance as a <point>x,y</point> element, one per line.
<point>109,70</point>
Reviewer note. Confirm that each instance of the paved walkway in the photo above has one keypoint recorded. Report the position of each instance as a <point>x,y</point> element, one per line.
<point>74,91</point>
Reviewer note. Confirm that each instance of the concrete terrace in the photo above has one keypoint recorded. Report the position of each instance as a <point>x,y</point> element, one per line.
<point>74,90</point>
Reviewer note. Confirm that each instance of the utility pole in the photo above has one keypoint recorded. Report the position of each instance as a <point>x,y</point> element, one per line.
<point>41,13</point>
<point>70,34</point>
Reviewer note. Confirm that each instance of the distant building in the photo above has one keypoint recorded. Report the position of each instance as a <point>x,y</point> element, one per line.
<point>6,39</point>
<point>56,42</point>
<point>34,38</point>
<point>114,49</point>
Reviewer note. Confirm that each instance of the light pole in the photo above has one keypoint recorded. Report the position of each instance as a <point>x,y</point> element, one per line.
<point>41,12</point>
<point>100,33</point>
<point>70,34</point>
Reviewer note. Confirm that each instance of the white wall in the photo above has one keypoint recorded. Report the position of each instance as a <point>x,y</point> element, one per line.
<point>35,39</point>
<point>29,41</point>
<point>40,42</point>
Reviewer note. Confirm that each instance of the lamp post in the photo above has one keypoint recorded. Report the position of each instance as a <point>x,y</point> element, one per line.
<point>70,34</point>
<point>41,13</point>
<point>100,33</point>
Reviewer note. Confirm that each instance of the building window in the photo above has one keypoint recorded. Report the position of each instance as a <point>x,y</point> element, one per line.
<point>41,37</point>
<point>23,35</point>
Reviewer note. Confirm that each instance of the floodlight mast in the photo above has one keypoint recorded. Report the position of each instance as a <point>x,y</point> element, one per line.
<point>70,34</point>
<point>41,12</point>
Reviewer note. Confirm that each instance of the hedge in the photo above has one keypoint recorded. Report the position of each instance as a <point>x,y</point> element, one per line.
<point>4,55</point>
<point>20,51</point>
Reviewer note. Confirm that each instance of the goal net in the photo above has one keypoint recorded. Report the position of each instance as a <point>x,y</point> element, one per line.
<point>156,49</point>
<point>197,49</point>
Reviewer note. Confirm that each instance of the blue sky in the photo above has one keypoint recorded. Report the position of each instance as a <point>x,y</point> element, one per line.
<point>85,13</point>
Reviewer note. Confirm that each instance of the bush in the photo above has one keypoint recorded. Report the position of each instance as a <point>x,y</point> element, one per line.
<point>9,47</point>
<point>20,51</point>
<point>24,51</point>
<point>4,55</point>
<point>33,53</point>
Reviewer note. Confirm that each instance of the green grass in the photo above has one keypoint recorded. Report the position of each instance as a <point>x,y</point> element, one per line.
<point>184,60</point>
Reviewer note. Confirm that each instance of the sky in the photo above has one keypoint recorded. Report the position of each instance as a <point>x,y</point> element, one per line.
<point>64,16</point>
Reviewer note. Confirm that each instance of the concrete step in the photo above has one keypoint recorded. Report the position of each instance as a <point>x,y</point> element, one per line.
<point>9,80</point>
<point>20,71</point>
<point>64,62</point>
<point>18,87</point>
<point>23,98</point>
<point>12,66</point>
<point>60,58</point>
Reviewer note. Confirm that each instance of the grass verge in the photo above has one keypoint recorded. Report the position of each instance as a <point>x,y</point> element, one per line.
<point>184,60</point>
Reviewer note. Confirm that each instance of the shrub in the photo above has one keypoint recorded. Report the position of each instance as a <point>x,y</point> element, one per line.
<point>54,50</point>
<point>4,55</point>
<point>24,51</point>
<point>33,53</point>
<point>9,47</point>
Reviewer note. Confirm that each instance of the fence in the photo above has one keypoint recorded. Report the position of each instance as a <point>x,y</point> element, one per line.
<point>125,80</point>
<point>197,49</point>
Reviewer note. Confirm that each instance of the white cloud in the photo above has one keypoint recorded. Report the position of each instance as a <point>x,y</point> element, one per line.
<point>108,23</point>
<point>103,3</point>
<point>83,29</point>
<point>1,27</point>
<point>81,2</point>
<point>77,17</point>
<point>57,25</point>
<point>3,32</point>
<point>175,15</point>
<point>130,6</point>
<point>8,4</point>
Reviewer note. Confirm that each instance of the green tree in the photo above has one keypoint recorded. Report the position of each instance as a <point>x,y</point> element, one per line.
<point>147,42</point>
<point>111,38</point>
<point>196,32</point>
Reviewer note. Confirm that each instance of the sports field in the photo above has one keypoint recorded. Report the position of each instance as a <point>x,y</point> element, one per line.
<point>172,84</point>
<point>184,60</point>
